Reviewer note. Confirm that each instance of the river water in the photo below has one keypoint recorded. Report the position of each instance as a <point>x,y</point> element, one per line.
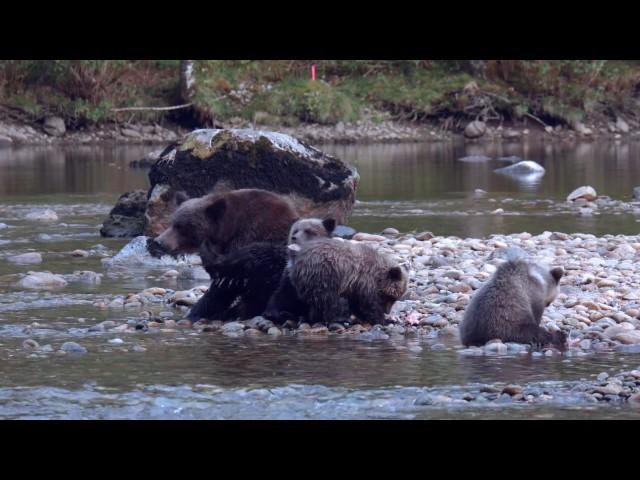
<point>183,374</point>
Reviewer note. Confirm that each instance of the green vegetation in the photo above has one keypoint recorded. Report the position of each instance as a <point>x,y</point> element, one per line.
<point>282,93</point>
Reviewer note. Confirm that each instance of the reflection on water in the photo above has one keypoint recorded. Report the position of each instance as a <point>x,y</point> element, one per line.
<point>37,171</point>
<point>432,171</point>
<point>187,375</point>
<point>410,186</point>
<point>423,186</point>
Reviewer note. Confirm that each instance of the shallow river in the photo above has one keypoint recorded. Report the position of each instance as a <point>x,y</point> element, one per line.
<point>187,375</point>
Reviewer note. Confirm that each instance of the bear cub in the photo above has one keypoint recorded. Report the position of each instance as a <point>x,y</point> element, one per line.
<point>328,270</point>
<point>510,306</point>
<point>245,279</point>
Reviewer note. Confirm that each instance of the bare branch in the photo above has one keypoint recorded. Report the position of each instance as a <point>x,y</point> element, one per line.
<point>130,109</point>
<point>536,119</point>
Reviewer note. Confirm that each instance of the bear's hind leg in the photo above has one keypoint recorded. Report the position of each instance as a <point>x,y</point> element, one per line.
<point>325,308</point>
<point>535,336</point>
<point>285,304</point>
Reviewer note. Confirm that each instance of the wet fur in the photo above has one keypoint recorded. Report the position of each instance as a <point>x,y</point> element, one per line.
<point>510,306</point>
<point>326,270</point>
<point>244,280</point>
<point>249,275</point>
<point>229,220</point>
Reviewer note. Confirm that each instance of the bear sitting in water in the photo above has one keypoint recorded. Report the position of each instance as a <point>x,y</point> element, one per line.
<point>510,306</point>
<point>245,279</point>
<point>328,270</point>
<point>227,220</point>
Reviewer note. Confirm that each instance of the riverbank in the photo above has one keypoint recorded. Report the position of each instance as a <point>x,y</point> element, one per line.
<point>345,101</point>
<point>15,134</point>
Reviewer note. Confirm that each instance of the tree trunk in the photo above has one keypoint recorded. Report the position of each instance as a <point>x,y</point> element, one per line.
<point>187,80</point>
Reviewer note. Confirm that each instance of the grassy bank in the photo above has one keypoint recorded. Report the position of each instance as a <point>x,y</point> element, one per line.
<point>448,93</point>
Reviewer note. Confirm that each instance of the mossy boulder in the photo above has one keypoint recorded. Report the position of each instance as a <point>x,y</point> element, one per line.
<point>126,219</point>
<point>213,160</point>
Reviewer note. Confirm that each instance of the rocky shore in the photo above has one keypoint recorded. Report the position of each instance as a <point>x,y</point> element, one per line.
<point>14,133</point>
<point>618,388</point>
<point>598,305</point>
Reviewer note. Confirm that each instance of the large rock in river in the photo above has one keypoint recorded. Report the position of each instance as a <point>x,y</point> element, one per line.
<point>526,168</point>
<point>213,160</point>
<point>588,193</point>
<point>126,219</point>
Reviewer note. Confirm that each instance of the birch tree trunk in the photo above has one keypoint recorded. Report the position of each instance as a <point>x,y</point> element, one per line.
<point>187,80</point>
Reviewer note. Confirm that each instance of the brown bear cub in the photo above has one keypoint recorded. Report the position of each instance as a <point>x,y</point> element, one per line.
<point>245,279</point>
<point>227,220</point>
<point>509,306</point>
<point>328,270</point>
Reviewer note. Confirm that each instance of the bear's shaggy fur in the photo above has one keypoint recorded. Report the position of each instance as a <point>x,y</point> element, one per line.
<point>324,271</point>
<point>228,220</point>
<point>509,306</point>
<point>245,279</point>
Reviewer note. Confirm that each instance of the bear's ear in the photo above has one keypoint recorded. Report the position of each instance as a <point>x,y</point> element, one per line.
<point>557,273</point>
<point>215,211</point>
<point>395,274</point>
<point>329,224</point>
<point>180,197</point>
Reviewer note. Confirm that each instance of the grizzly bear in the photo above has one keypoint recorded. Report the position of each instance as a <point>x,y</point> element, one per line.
<point>227,220</point>
<point>245,279</point>
<point>509,306</point>
<point>327,270</point>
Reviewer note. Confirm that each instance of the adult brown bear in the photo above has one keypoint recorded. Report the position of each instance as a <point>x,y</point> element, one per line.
<point>243,281</point>
<point>228,221</point>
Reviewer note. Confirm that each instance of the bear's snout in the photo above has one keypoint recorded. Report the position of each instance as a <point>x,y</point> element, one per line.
<point>155,249</point>
<point>168,241</point>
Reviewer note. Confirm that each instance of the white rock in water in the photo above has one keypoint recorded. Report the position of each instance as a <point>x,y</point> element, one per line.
<point>586,192</point>
<point>135,252</point>
<point>525,168</point>
<point>42,215</point>
<point>42,280</point>
<point>31,257</point>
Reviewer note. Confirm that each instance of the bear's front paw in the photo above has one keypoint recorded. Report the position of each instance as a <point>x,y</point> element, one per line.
<point>559,339</point>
